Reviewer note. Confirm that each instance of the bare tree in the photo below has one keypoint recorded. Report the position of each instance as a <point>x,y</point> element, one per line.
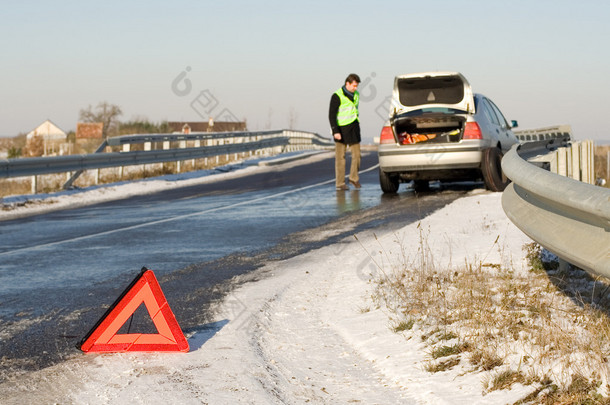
<point>34,146</point>
<point>105,113</point>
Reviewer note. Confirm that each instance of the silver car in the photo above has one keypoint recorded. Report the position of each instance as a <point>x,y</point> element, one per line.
<point>438,129</point>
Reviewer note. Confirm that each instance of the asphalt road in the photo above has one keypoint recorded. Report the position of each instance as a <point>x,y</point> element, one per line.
<point>60,271</point>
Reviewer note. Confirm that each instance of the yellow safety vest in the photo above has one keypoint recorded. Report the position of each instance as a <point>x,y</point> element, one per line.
<point>348,109</point>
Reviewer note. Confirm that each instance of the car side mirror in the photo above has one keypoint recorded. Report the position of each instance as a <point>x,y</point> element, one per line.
<point>514,124</point>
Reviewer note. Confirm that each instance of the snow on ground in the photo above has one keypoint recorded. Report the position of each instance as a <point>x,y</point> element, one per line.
<point>307,331</point>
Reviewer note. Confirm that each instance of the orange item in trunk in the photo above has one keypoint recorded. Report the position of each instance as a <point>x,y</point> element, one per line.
<point>406,139</point>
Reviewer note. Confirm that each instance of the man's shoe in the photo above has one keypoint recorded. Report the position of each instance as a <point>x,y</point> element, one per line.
<point>343,187</point>
<point>356,183</point>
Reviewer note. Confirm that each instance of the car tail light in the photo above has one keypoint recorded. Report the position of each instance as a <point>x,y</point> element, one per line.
<point>387,136</point>
<point>472,131</point>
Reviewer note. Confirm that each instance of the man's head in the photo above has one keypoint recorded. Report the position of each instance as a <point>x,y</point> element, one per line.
<point>351,82</point>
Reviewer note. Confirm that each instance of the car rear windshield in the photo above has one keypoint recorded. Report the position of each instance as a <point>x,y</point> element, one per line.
<point>430,90</point>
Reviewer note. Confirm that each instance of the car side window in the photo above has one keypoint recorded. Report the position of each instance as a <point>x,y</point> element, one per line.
<point>489,112</point>
<point>501,118</point>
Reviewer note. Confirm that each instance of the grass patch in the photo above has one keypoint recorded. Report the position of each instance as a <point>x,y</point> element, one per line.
<point>445,351</point>
<point>552,321</point>
<point>364,310</point>
<point>443,365</point>
<point>485,360</point>
<point>447,336</point>
<point>404,325</point>
<point>505,379</point>
<point>581,390</point>
<point>536,260</point>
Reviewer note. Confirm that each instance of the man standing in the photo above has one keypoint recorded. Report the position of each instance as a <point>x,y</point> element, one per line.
<point>343,117</point>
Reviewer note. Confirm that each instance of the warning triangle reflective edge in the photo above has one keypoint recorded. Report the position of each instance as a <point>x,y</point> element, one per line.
<point>145,289</point>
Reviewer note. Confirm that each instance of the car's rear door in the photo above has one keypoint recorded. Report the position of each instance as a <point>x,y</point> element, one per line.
<point>493,124</point>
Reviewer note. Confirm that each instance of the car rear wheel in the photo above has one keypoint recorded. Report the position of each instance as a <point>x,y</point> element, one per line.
<point>491,168</point>
<point>389,182</point>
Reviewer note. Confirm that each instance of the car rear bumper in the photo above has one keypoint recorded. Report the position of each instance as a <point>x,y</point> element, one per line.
<point>395,158</point>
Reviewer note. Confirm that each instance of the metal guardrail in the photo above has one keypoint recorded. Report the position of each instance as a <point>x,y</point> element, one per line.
<point>233,137</point>
<point>568,217</point>
<point>70,163</point>
<point>540,134</point>
<point>214,144</point>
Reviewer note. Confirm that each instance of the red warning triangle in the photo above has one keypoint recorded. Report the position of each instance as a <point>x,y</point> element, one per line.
<point>144,289</point>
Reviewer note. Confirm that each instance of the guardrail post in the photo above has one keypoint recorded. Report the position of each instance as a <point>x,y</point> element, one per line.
<point>216,142</point>
<point>590,162</point>
<point>197,145</point>
<point>166,145</point>
<point>34,184</point>
<point>147,148</point>
<point>562,162</point>
<point>575,151</point>
<point>584,162</point>
<point>126,148</point>
<point>181,145</point>
<point>568,161</point>
<point>205,160</point>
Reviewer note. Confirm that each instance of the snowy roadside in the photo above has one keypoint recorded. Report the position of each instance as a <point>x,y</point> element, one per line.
<point>307,331</point>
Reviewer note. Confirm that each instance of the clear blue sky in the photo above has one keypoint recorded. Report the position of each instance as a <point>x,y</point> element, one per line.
<point>544,62</point>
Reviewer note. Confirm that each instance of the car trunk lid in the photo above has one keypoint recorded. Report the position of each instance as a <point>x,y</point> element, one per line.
<point>433,90</point>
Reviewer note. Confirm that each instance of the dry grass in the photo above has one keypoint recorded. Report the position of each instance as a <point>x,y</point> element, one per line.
<point>505,379</point>
<point>14,187</point>
<point>404,325</point>
<point>601,163</point>
<point>549,328</point>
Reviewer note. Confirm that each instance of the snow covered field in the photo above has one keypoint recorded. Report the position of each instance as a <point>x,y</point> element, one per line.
<point>307,330</point>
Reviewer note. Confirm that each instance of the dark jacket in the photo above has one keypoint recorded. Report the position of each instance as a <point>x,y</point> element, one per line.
<point>350,134</point>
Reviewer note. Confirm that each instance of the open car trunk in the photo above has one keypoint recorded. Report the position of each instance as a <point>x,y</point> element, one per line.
<point>430,128</point>
<point>431,107</point>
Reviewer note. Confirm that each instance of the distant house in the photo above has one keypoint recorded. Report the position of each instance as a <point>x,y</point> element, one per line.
<point>210,126</point>
<point>47,139</point>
